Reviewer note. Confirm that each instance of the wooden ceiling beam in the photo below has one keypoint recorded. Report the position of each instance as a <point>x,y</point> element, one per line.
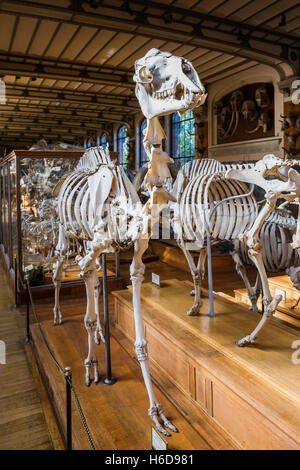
<point>28,66</point>
<point>64,112</point>
<point>147,23</point>
<point>68,96</point>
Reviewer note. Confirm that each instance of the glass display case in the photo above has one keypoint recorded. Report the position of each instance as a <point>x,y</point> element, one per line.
<point>28,220</point>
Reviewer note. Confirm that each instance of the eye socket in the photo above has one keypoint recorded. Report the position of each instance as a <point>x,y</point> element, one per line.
<point>186,67</point>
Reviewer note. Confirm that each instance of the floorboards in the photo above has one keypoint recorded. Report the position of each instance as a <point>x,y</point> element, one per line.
<point>22,420</point>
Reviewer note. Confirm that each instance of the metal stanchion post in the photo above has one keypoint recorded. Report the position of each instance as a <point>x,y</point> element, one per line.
<point>210,278</point>
<point>109,380</point>
<point>68,377</point>
<point>27,340</point>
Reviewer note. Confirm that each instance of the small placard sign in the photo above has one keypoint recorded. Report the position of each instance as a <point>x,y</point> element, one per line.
<point>282,293</point>
<point>156,279</point>
<point>157,441</point>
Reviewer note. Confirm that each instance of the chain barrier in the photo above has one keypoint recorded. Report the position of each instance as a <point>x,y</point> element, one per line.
<point>61,369</point>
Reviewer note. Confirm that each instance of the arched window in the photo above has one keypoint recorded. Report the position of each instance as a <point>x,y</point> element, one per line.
<point>103,140</point>
<point>143,155</point>
<point>183,138</point>
<point>123,145</point>
<point>89,143</point>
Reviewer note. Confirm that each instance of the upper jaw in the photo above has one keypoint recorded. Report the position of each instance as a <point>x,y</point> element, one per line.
<point>176,98</point>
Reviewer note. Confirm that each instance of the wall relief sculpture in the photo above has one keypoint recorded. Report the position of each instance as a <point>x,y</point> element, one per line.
<point>246,113</point>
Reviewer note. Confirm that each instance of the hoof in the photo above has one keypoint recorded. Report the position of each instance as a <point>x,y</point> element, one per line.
<point>87,381</point>
<point>162,430</point>
<point>193,312</point>
<point>171,426</point>
<point>245,341</point>
<point>97,341</point>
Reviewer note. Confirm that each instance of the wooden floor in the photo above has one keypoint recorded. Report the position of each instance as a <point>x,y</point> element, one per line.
<point>22,421</point>
<point>116,416</point>
<point>21,405</point>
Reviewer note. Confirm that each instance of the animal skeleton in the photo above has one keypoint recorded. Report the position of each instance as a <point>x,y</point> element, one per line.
<point>238,218</point>
<point>277,253</point>
<point>284,183</point>
<point>98,204</point>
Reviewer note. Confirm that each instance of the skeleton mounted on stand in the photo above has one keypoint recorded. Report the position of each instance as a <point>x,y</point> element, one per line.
<point>99,207</point>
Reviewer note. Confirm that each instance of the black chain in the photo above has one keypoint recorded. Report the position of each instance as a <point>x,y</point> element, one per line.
<point>76,399</point>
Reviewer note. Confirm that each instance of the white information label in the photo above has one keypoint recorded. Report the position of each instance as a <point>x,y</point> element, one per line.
<point>282,293</point>
<point>158,443</point>
<point>29,267</point>
<point>156,279</point>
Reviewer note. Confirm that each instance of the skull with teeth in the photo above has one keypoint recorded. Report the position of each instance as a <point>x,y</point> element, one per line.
<point>261,97</point>
<point>248,110</point>
<point>166,84</point>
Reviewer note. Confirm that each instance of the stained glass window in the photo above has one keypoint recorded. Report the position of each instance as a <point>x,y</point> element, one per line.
<point>103,140</point>
<point>123,145</point>
<point>89,143</point>
<point>143,155</point>
<point>183,138</point>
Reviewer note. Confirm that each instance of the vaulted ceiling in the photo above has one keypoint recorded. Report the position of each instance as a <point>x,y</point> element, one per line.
<point>68,64</point>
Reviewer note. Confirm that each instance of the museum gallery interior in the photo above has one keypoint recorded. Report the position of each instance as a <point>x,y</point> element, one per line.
<point>150,225</point>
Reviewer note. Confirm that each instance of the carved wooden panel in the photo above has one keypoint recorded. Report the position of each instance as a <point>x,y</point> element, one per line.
<point>124,319</point>
<point>246,113</point>
<point>172,361</point>
<point>249,427</point>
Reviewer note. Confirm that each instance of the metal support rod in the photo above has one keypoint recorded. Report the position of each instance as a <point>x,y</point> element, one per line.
<point>209,262</point>
<point>211,312</point>
<point>109,380</point>
<point>27,340</point>
<point>68,377</point>
<point>16,282</point>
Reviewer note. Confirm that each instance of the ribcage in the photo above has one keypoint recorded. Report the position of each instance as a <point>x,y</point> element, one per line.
<point>201,167</point>
<point>276,237</point>
<point>74,206</point>
<point>227,220</point>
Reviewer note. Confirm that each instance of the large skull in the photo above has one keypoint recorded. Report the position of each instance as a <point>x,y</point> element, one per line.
<point>261,97</point>
<point>225,116</point>
<point>236,100</point>
<point>248,110</point>
<point>166,83</point>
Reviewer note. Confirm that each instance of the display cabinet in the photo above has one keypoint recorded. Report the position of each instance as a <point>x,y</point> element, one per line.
<point>28,219</point>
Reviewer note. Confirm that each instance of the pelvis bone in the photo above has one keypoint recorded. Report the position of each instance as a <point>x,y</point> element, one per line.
<point>166,84</point>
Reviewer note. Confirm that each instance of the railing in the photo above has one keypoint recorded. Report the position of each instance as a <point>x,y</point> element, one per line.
<point>66,371</point>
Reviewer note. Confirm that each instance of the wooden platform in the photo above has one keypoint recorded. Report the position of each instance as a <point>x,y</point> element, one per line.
<point>71,285</point>
<point>253,393</point>
<point>284,311</point>
<point>117,415</point>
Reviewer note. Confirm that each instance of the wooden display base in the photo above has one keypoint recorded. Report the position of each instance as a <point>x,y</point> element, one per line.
<point>253,393</point>
<point>71,285</point>
<point>116,415</point>
<point>284,311</point>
